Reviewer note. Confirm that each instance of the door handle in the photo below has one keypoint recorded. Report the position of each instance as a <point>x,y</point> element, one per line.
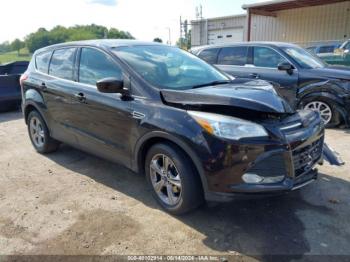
<point>80,97</point>
<point>254,75</point>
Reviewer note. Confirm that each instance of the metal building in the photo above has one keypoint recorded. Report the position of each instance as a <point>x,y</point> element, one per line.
<point>218,30</point>
<point>297,21</point>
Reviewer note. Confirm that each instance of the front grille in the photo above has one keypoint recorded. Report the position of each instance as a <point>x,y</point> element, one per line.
<point>305,158</point>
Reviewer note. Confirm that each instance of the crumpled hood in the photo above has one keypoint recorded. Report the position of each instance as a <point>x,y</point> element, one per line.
<point>335,72</point>
<point>253,95</point>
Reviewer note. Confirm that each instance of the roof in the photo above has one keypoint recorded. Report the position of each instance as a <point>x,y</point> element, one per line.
<point>276,44</point>
<point>219,18</point>
<point>107,43</point>
<point>278,5</point>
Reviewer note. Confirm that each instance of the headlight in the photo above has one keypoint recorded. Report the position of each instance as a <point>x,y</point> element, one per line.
<point>226,126</point>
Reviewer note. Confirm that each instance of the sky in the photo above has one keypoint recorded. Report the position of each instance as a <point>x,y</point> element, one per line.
<point>144,19</point>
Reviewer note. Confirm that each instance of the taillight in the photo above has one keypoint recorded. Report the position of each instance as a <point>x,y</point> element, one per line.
<point>23,78</point>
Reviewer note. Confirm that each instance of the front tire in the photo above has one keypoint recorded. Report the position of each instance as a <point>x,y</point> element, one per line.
<point>173,179</point>
<point>39,134</point>
<point>326,108</point>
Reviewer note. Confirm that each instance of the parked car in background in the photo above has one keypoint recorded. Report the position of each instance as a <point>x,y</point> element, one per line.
<point>301,78</point>
<point>10,89</point>
<point>340,56</point>
<point>196,133</point>
<point>325,49</point>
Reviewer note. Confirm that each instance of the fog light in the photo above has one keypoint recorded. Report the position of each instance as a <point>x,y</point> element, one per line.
<point>252,178</point>
<point>273,179</point>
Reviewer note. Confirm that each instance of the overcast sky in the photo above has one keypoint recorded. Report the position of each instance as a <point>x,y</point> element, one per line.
<point>144,19</point>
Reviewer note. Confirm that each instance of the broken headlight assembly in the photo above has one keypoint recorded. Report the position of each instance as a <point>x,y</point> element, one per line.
<point>227,126</point>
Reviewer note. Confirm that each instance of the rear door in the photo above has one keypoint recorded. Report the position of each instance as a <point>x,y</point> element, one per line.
<point>103,120</point>
<point>58,88</point>
<point>232,60</point>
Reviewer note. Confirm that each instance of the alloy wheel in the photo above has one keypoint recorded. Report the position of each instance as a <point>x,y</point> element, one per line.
<point>37,132</point>
<point>165,179</point>
<point>321,107</point>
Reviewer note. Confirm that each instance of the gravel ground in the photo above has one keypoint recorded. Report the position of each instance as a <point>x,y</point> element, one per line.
<point>69,202</point>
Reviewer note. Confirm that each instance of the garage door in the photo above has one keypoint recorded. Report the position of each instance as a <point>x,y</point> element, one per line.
<point>225,36</point>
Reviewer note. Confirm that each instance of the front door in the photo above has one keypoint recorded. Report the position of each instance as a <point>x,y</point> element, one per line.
<point>103,120</point>
<point>265,61</point>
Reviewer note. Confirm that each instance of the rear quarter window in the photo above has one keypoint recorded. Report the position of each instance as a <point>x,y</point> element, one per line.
<point>326,49</point>
<point>42,61</point>
<point>209,55</point>
<point>62,63</point>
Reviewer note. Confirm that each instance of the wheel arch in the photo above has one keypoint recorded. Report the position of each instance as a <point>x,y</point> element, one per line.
<point>338,103</point>
<point>150,139</point>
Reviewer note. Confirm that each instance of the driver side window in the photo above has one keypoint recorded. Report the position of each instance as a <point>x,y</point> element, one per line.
<point>96,65</point>
<point>266,57</point>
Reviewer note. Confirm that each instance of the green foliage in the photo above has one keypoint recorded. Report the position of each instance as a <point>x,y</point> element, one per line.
<point>16,45</point>
<point>60,34</point>
<point>157,39</point>
<point>185,42</point>
<point>14,56</point>
<point>5,47</point>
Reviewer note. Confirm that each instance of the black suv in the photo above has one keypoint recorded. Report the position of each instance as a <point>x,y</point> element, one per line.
<point>301,78</point>
<point>158,110</point>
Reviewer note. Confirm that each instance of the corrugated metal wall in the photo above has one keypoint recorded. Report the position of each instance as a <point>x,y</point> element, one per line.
<point>307,24</point>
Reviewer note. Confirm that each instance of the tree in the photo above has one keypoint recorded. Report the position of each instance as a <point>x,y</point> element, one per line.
<point>158,40</point>
<point>60,34</point>
<point>5,47</point>
<point>16,45</point>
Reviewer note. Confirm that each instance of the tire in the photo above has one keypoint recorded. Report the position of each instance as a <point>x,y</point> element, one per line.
<point>325,105</point>
<point>183,198</point>
<point>39,134</point>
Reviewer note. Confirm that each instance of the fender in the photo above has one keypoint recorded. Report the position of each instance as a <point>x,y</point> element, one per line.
<point>34,98</point>
<point>163,135</point>
<point>328,95</point>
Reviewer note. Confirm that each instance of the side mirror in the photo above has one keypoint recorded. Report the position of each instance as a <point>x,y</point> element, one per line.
<point>111,85</point>
<point>285,66</point>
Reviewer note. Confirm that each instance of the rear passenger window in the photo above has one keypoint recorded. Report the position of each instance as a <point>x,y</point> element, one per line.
<point>62,63</point>
<point>42,61</point>
<point>96,65</point>
<point>209,55</point>
<point>267,57</point>
<point>233,56</point>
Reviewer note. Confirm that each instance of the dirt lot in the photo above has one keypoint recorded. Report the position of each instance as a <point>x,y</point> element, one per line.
<point>69,202</point>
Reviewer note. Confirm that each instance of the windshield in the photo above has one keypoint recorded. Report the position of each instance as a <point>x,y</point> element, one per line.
<point>169,67</point>
<point>304,58</point>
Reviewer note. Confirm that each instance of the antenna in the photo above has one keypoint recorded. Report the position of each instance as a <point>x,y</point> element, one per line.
<point>199,12</point>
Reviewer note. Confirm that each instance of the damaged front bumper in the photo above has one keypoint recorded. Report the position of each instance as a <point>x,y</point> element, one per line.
<point>283,163</point>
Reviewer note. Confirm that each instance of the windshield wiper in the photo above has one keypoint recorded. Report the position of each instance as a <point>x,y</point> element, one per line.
<point>213,83</point>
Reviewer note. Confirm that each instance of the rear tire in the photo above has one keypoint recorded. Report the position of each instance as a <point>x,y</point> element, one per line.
<point>173,179</point>
<point>39,134</point>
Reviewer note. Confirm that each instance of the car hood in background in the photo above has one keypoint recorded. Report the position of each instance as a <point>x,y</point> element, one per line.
<point>333,72</point>
<point>253,95</point>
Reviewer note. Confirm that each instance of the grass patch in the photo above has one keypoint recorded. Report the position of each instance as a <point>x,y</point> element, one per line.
<point>14,56</point>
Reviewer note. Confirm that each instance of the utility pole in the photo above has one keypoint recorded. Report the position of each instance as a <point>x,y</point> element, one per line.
<point>180,39</point>
<point>169,31</point>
